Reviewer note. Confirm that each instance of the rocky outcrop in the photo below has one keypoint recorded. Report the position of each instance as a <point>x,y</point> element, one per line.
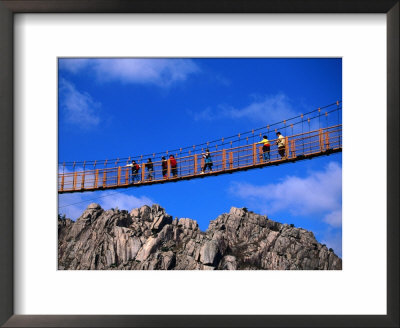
<point>148,238</point>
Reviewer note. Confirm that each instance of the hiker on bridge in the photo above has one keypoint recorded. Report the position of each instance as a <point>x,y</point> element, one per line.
<point>265,148</point>
<point>280,141</point>
<point>150,169</point>
<point>135,171</point>
<point>207,161</point>
<point>174,169</point>
<point>164,166</point>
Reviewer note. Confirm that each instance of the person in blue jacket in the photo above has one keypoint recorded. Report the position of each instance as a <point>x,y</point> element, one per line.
<point>207,161</point>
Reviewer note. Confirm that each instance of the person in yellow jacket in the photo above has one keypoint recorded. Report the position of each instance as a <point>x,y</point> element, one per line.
<point>265,148</point>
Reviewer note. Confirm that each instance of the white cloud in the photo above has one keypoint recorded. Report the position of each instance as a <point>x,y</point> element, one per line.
<point>270,108</point>
<point>160,72</point>
<point>78,202</point>
<point>125,202</point>
<point>334,218</point>
<point>318,193</point>
<point>78,107</point>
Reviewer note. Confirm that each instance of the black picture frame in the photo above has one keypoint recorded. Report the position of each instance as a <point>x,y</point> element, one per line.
<point>10,7</point>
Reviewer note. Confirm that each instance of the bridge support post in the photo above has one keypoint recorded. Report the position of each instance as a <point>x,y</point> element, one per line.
<point>286,147</point>
<point>260,154</point>
<point>75,180</point>
<point>195,164</point>
<point>143,171</point>
<point>127,175</point>
<point>168,168</point>
<point>104,178</point>
<point>254,154</point>
<point>321,140</point>
<point>96,179</point>
<point>119,176</point>
<point>223,159</point>
<point>83,180</point>
<point>83,176</point>
<point>231,160</point>
<point>62,182</point>
<point>327,146</point>
<point>293,149</point>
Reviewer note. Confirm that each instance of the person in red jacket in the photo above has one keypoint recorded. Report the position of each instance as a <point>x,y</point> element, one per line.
<point>174,169</point>
<point>135,171</point>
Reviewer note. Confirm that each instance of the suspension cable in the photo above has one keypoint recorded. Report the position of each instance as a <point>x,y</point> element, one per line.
<point>201,146</point>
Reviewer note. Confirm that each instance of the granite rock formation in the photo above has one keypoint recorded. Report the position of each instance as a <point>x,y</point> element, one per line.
<point>148,238</point>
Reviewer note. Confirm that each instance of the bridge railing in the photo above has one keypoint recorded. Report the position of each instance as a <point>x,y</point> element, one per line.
<point>227,159</point>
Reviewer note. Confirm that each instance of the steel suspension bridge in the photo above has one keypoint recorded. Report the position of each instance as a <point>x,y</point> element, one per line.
<point>312,134</point>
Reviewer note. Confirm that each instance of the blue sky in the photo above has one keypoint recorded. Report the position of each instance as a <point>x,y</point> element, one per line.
<point>111,108</point>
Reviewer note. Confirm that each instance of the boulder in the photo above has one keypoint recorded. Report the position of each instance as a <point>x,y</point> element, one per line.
<point>187,223</point>
<point>145,213</point>
<point>208,252</point>
<point>94,206</point>
<point>135,213</point>
<point>147,249</point>
<point>228,262</point>
<point>160,222</point>
<point>237,211</point>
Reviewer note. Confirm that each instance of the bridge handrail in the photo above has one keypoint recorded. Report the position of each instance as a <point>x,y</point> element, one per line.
<point>308,134</point>
<point>228,159</point>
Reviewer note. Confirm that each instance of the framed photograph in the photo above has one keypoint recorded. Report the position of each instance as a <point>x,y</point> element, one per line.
<point>199,164</point>
<point>130,199</point>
